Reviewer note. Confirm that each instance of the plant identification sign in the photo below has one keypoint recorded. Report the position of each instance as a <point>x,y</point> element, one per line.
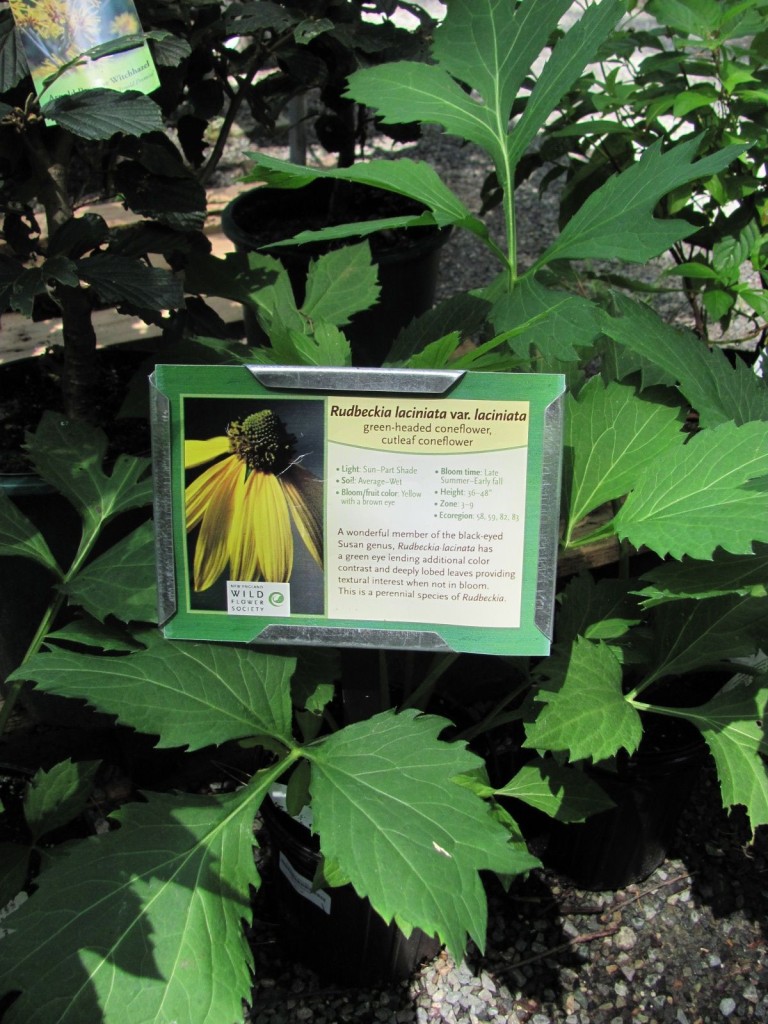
<point>56,36</point>
<point>388,508</point>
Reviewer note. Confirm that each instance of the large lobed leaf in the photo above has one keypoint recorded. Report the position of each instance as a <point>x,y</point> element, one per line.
<point>413,178</point>
<point>189,694</point>
<point>725,574</point>
<point>709,493</point>
<point>144,924</point>
<point>692,634</point>
<point>121,582</point>
<point>584,712</point>
<point>611,435</point>
<point>570,57</point>
<point>341,283</point>
<point>389,814</point>
<point>20,537</point>
<point>718,391</point>
<point>69,455</point>
<point>563,792</point>
<point>732,724</point>
<point>559,323</point>
<point>617,222</point>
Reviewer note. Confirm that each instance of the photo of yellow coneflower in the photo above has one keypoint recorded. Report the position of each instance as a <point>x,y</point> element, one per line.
<point>254,502</point>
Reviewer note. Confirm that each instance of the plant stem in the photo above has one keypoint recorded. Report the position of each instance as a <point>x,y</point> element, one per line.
<point>15,687</point>
<point>420,696</point>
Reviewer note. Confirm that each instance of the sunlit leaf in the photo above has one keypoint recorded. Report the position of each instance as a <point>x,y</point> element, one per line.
<point>189,694</point>
<point>145,923</point>
<point>611,435</point>
<point>584,713</point>
<point>341,283</point>
<point>617,221</point>
<point>710,492</point>
<point>408,837</point>
<point>563,792</point>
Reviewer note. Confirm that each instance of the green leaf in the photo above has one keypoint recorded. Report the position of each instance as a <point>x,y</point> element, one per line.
<point>584,713</point>
<point>464,312</point>
<point>696,18</point>
<point>570,56</point>
<point>189,694</point>
<point>617,222</point>
<point>102,113</point>
<point>168,50</point>
<point>77,235</point>
<point>146,921</point>
<point>121,582</point>
<point>158,185</point>
<point>39,280</point>
<point>121,279</point>
<point>92,633</point>
<point>732,724</point>
<point>725,574</point>
<point>718,391</point>
<point>559,323</point>
<point>563,792</point>
<point>341,283</point>
<point>694,99</point>
<point>702,495</point>
<point>436,355</point>
<point>413,178</point>
<point>13,64</point>
<point>69,455</point>
<point>20,537</point>
<point>408,837</point>
<point>327,346</point>
<point>595,609</point>
<point>56,797</point>
<point>407,91</point>
<point>611,435</point>
<point>691,634</point>
<point>14,868</point>
<point>509,41</point>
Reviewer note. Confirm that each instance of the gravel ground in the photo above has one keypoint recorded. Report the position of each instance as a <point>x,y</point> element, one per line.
<point>685,945</point>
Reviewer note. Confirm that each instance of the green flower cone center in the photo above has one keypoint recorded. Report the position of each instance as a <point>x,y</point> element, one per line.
<point>262,442</point>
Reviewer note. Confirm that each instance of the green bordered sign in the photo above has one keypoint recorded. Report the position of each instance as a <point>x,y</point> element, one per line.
<point>386,508</point>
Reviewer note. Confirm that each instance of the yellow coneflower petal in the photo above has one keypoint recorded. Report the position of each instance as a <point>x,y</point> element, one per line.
<point>212,548</point>
<point>275,539</point>
<point>198,452</point>
<point>305,501</point>
<point>203,488</point>
<point>243,542</point>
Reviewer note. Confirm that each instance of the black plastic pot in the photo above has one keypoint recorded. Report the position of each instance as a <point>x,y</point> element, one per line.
<point>625,844</point>
<point>408,261</point>
<point>333,931</point>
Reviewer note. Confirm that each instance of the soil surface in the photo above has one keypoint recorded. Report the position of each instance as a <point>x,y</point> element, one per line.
<point>687,945</point>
